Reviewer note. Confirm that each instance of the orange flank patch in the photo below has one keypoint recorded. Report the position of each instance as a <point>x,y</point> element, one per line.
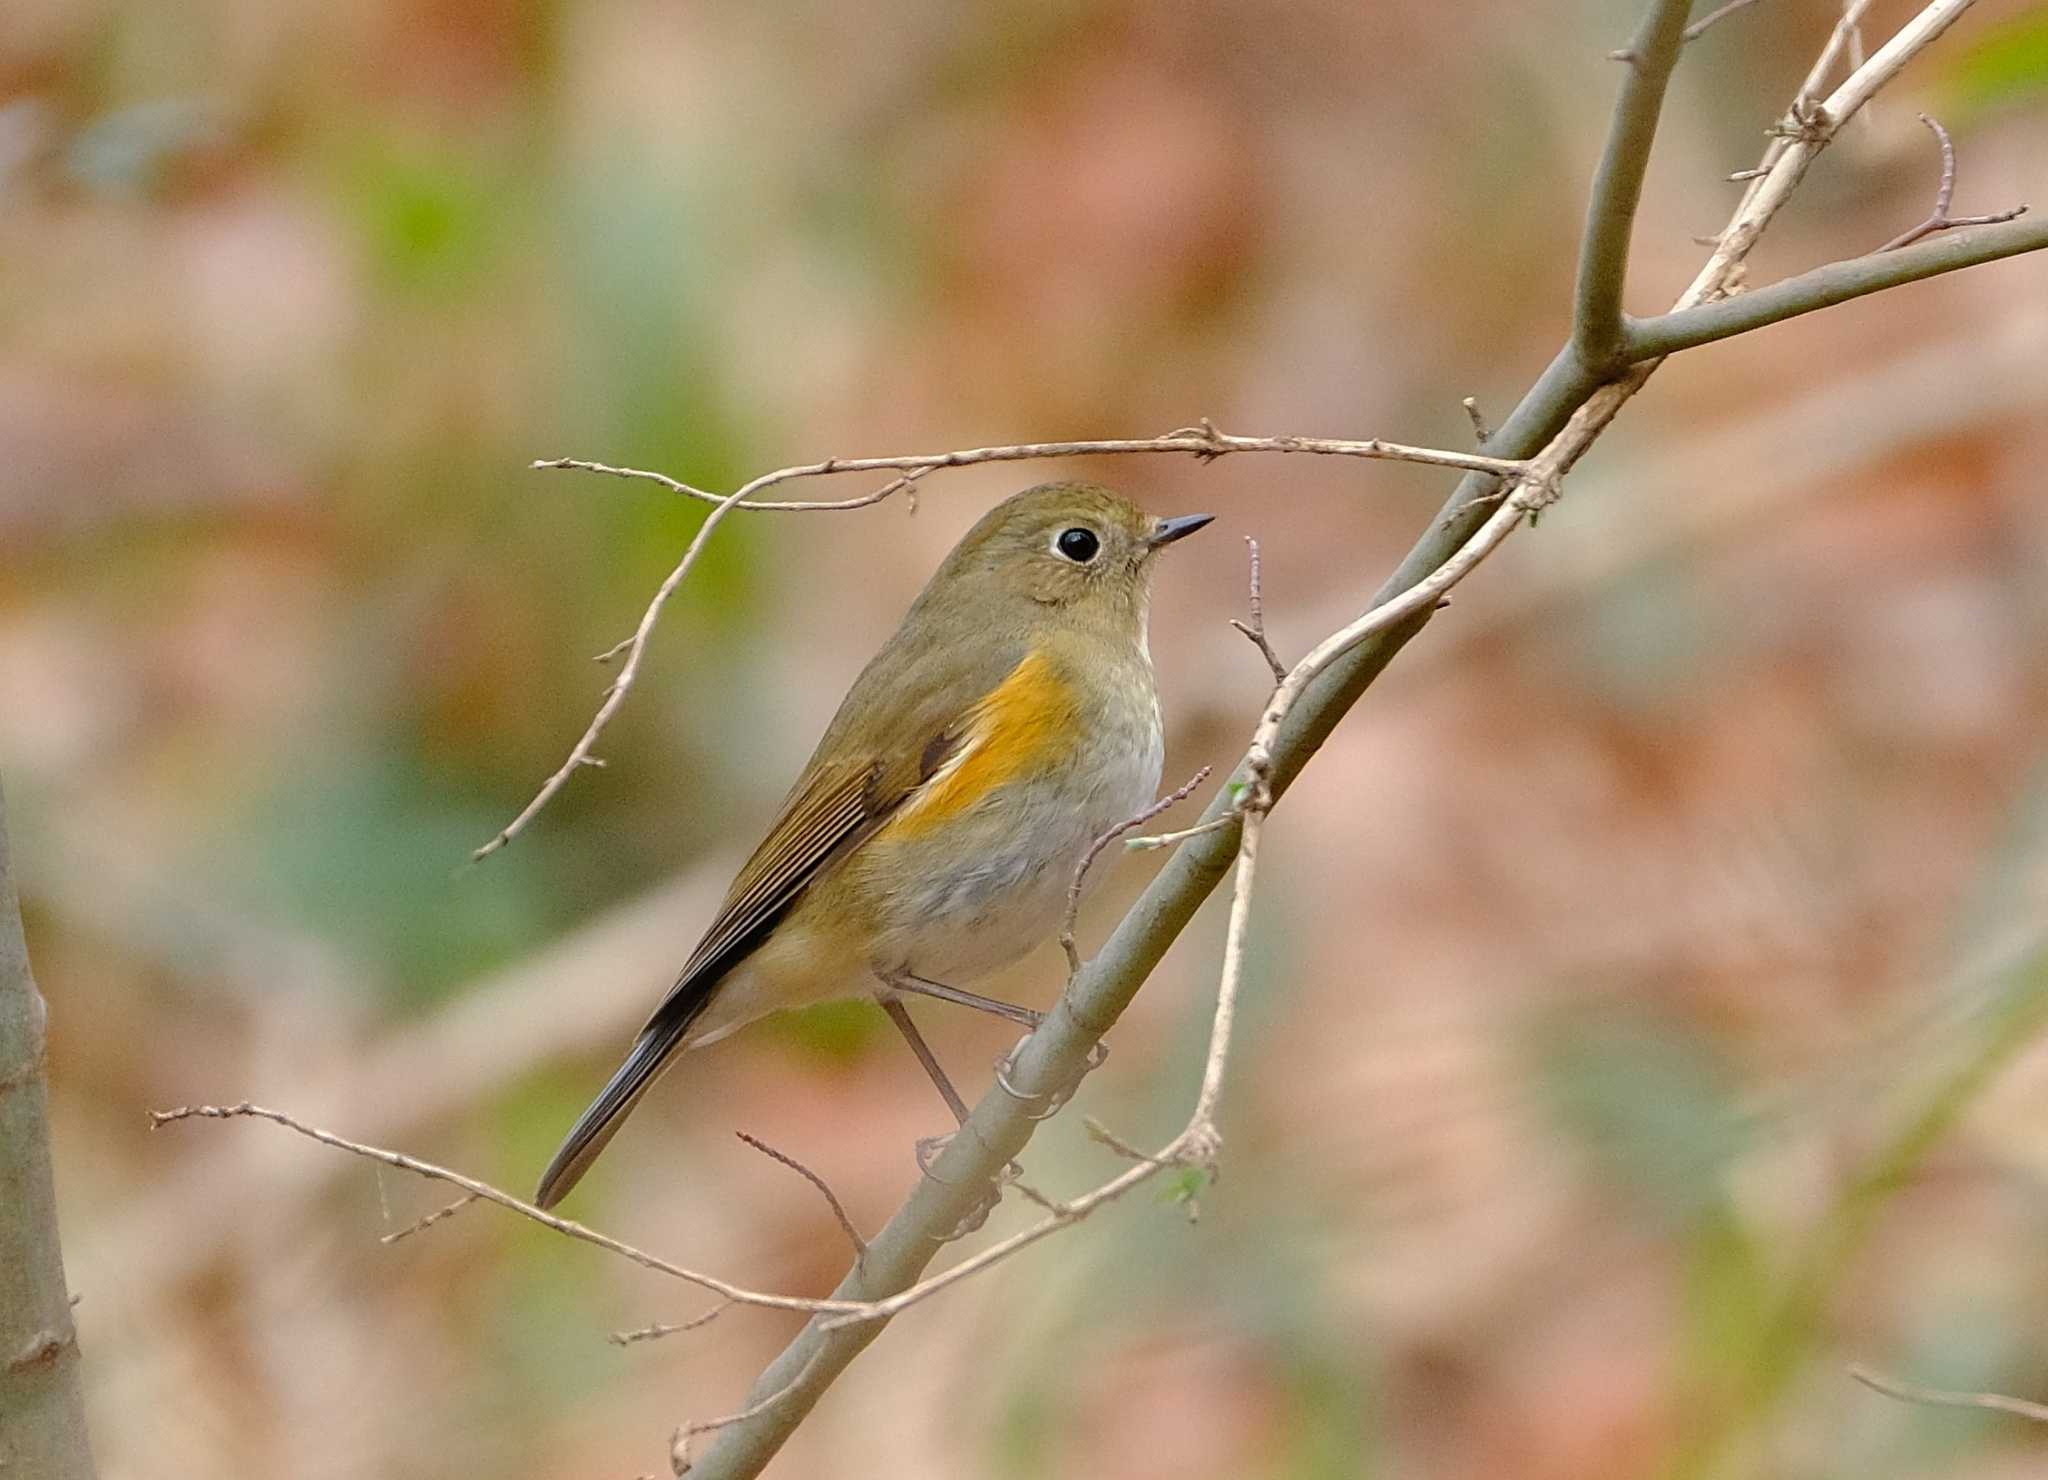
<point>1010,733</point>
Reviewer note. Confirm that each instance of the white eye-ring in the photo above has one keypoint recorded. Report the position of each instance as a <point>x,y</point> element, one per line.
<point>1078,544</point>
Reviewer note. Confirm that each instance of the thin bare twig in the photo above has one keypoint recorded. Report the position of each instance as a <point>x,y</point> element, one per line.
<point>860,1245</point>
<point>679,1447</point>
<point>1481,432</point>
<point>1845,39</point>
<point>1713,18</point>
<point>431,1219</point>
<point>1256,628</point>
<point>670,1328</point>
<point>1909,1392</point>
<point>1072,1211</point>
<point>1939,219</point>
<point>1203,440</point>
<point>1103,1135</point>
<point>1803,104</point>
<point>634,648</point>
<point>738,1294</point>
<point>1073,911</point>
<point>1174,839</point>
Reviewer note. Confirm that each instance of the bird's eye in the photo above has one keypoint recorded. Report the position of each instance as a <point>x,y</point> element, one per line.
<point>1078,545</point>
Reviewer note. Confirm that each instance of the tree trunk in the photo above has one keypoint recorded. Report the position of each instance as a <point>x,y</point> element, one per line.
<point>42,1414</point>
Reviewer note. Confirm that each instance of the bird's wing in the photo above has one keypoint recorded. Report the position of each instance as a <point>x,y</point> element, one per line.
<point>835,806</point>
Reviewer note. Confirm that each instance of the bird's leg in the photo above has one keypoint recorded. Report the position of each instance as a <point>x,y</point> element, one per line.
<point>900,1016</point>
<point>930,1146</point>
<point>994,1006</point>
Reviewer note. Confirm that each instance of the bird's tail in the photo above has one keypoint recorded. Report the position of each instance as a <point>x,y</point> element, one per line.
<point>652,1052</point>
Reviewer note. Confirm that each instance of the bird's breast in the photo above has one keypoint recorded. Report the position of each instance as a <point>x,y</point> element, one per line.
<point>975,871</point>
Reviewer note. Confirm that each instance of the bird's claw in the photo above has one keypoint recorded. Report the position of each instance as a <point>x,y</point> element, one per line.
<point>1051,1102</point>
<point>928,1149</point>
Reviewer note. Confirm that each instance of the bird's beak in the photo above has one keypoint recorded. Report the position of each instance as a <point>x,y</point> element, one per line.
<point>1166,531</point>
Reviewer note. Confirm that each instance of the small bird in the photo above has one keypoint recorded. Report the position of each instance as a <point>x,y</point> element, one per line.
<point>1010,721</point>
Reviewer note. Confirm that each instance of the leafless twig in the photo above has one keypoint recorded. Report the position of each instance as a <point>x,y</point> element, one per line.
<point>634,648</point>
<point>1804,103</point>
<point>1481,432</point>
<point>1939,219</point>
<point>431,1219</point>
<point>679,1447</point>
<point>1256,628</point>
<point>738,1294</point>
<point>860,1245</point>
<point>667,1328</point>
<point>1173,839</point>
<point>1067,921</point>
<point>1203,439</point>
<point>1908,1392</point>
<point>1713,18</point>
<point>1103,1135</point>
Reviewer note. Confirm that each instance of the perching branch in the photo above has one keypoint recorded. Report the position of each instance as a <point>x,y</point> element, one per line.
<point>42,1416</point>
<point>1074,885</point>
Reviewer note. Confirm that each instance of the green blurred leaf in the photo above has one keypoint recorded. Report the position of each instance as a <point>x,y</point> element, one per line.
<point>1728,1302</point>
<point>835,1032</point>
<point>2006,66</point>
<point>367,852</point>
<point>432,215</point>
<point>1653,1102</point>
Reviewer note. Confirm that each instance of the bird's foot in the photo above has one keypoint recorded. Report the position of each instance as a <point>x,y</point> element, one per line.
<point>928,1150</point>
<point>1048,1103</point>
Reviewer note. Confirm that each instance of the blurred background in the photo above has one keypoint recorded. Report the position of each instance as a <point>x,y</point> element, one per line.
<point>1645,975</point>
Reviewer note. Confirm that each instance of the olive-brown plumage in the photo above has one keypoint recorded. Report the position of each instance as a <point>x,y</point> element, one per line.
<point>1010,720</point>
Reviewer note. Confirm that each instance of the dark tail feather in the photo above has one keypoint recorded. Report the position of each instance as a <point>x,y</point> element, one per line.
<point>596,1126</point>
